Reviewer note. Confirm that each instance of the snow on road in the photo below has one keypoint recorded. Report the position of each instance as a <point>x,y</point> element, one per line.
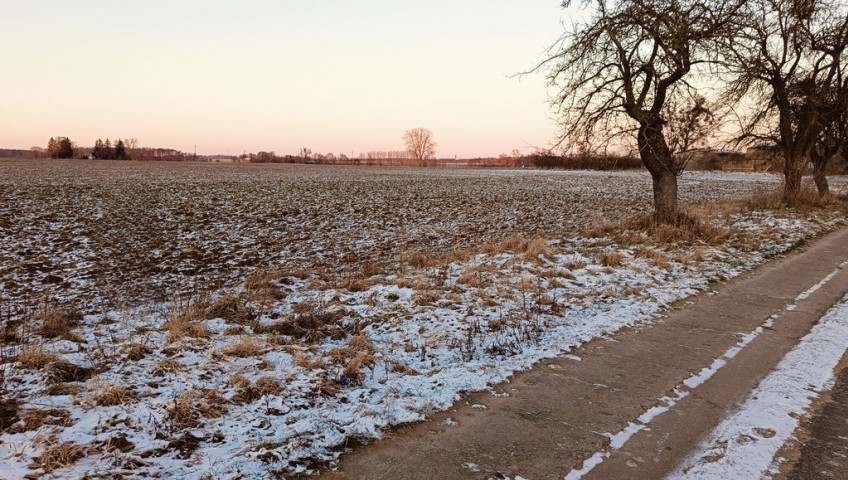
<point>745,443</point>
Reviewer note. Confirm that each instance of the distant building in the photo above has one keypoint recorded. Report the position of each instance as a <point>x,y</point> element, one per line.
<point>715,159</point>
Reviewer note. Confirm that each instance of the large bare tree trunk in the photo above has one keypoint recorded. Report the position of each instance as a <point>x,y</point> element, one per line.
<point>793,170</point>
<point>665,195</point>
<point>820,173</point>
<point>657,158</point>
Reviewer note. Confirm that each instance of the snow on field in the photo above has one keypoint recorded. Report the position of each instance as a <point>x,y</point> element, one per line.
<point>287,364</point>
<point>745,443</point>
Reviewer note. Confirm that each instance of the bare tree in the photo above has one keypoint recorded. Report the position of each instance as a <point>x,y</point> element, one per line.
<point>305,153</point>
<point>690,124</point>
<point>420,144</point>
<point>616,72</point>
<point>786,59</point>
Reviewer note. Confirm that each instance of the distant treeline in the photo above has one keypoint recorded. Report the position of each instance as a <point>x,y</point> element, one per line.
<point>128,149</point>
<point>585,162</point>
<point>386,159</point>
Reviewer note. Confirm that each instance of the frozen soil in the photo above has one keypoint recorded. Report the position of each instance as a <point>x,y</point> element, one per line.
<point>247,321</point>
<point>95,232</point>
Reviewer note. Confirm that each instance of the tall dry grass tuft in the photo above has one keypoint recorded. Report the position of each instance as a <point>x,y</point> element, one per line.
<point>537,248</point>
<point>58,322</point>
<point>684,227</point>
<point>612,259</point>
<point>232,309</point>
<point>115,395</point>
<point>245,348</point>
<point>262,287</point>
<point>55,457</point>
<point>184,320</point>
<point>33,357</point>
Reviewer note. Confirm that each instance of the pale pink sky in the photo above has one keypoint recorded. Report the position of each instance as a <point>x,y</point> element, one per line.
<point>332,75</point>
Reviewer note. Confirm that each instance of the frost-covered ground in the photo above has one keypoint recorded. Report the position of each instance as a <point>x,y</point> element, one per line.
<point>107,233</point>
<point>337,305</point>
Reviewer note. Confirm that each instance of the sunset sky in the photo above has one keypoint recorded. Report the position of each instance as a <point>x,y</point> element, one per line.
<point>335,76</point>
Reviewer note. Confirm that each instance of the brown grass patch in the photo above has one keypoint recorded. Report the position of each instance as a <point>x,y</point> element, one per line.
<point>262,288</point>
<point>58,389</point>
<point>312,326</point>
<point>232,309</point>
<point>655,256</point>
<point>684,227</point>
<point>416,259</point>
<point>137,351</point>
<point>263,386</point>
<point>245,348</point>
<point>116,395</point>
<point>58,456</point>
<point>424,298</point>
<point>167,366</point>
<point>182,412</point>
<point>59,322</point>
<point>183,321</point>
<point>479,276</point>
<point>62,371</point>
<point>358,354</point>
<point>599,229</point>
<point>612,259</point>
<point>537,248</point>
<point>8,413</point>
<point>36,418</point>
<point>34,357</point>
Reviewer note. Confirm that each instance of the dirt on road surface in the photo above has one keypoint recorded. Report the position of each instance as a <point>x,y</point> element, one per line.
<point>633,405</point>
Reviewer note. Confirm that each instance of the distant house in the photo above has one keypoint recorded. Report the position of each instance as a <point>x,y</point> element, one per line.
<point>716,159</point>
<point>767,156</point>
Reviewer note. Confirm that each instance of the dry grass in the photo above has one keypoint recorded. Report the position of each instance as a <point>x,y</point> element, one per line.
<point>63,389</point>
<point>183,321</point>
<point>358,354</point>
<point>166,367</point>
<point>685,228</point>
<point>425,298</point>
<point>116,395</point>
<point>537,248</point>
<point>263,288</point>
<point>263,386</point>
<point>182,412</point>
<point>479,276</point>
<point>62,371</point>
<point>188,409</point>
<point>416,259</point>
<point>655,256</point>
<point>245,348</point>
<point>612,259</point>
<point>137,351</point>
<point>8,413</point>
<point>599,229</point>
<point>35,418</point>
<point>59,322</point>
<point>312,325</point>
<point>233,309</point>
<point>33,357</point>
<point>55,457</point>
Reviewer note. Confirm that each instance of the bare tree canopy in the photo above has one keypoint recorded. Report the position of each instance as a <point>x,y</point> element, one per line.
<point>617,72</point>
<point>420,144</point>
<point>786,60</point>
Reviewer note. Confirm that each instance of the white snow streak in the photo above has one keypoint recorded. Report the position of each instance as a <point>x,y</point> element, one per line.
<point>746,441</point>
